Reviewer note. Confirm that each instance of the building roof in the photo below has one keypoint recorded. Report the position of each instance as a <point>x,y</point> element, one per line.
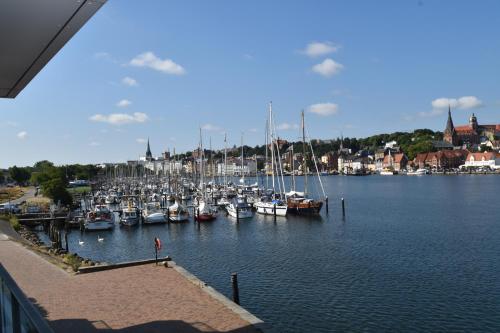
<point>465,129</point>
<point>33,32</point>
<point>488,155</point>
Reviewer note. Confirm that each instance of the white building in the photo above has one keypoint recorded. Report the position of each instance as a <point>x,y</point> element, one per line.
<point>489,159</point>
<point>234,168</point>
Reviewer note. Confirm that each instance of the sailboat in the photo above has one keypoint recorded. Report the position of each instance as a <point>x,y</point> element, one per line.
<point>272,204</point>
<point>203,212</point>
<point>298,202</point>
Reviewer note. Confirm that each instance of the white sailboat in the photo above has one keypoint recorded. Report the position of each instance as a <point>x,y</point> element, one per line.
<point>273,205</point>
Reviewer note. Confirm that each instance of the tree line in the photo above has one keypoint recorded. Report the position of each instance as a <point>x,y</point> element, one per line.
<point>53,180</point>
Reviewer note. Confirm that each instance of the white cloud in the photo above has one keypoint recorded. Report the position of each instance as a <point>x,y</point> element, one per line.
<point>440,105</point>
<point>287,126</point>
<point>22,135</point>
<point>120,118</point>
<point>210,127</point>
<point>465,102</point>
<point>248,56</point>
<point>328,67</point>
<point>316,49</point>
<point>128,81</point>
<point>141,140</point>
<point>102,55</point>
<point>150,60</point>
<point>94,144</point>
<point>123,103</point>
<point>324,109</point>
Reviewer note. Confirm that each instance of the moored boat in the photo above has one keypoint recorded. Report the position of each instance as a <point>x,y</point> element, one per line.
<point>100,218</point>
<point>240,208</point>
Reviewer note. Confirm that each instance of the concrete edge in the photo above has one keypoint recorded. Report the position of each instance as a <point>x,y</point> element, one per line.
<point>100,268</point>
<point>237,309</point>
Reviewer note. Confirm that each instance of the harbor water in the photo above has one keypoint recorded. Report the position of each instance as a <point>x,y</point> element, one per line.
<point>413,254</point>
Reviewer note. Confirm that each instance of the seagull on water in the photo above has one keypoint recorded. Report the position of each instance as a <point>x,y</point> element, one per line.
<point>100,239</point>
<point>81,242</point>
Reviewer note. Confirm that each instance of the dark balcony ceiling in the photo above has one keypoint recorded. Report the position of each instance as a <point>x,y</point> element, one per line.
<point>32,32</point>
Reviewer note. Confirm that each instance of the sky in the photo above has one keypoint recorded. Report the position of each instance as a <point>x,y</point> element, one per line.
<point>163,69</point>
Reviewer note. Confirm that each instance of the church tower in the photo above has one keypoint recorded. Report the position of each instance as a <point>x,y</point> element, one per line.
<point>149,156</point>
<point>449,134</point>
<point>473,122</point>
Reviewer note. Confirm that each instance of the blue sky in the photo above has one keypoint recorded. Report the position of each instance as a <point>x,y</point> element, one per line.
<point>162,69</point>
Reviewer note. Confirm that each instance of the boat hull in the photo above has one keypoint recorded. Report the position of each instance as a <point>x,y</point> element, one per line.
<point>99,225</point>
<point>242,213</point>
<point>205,217</point>
<point>269,209</point>
<point>155,218</point>
<point>305,208</point>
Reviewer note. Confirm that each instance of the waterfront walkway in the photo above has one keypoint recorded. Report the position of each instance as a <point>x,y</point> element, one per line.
<point>144,298</point>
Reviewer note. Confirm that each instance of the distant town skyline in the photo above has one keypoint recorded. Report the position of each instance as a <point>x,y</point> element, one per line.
<point>164,70</point>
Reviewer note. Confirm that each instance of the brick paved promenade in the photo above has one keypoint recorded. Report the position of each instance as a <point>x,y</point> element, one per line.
<point>143,298</point>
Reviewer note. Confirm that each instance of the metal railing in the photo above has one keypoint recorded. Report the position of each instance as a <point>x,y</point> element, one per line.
<point>17,313</point>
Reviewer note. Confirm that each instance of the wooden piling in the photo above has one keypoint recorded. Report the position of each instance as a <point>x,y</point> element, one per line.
<point>236,292</point>
<point>237,214</point>
<point>274,212</point>
<point>326,203</point>
<point>66,241</point>
<point>343,208</point>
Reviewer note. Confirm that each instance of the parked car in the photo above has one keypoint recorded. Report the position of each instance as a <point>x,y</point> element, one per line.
<point>7,208</point>
<point>33,209</point>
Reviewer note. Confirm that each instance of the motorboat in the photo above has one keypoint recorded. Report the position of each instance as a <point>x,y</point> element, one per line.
<point>240,208</point>
<point>100,218</point>
<point>388,172</point>
<point>419,172</point>
<point>129,216</point>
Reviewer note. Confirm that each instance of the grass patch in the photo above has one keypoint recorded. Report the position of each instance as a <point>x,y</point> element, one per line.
<point>42,202</point>
<point>12,193</point>
<point>72,260</point>
<point>14,222</point>
<point>79,190</point>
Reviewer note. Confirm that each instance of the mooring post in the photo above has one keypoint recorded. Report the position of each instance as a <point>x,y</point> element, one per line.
<point>168,214</point>
<point>66,241</point>
<point>237,214</point>
<point>326,202</point>
<point>274,212</point>
<point>198,214</point>
<point>343,208</point>
<point>234,283</point>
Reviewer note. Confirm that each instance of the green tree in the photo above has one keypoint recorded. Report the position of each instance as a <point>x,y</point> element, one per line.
<point>19,175</point>
<point>56,190</point>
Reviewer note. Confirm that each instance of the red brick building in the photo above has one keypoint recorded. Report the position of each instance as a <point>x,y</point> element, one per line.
<point>443,159</point>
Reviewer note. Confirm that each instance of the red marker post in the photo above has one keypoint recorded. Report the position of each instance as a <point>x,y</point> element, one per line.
<point>157,248</point>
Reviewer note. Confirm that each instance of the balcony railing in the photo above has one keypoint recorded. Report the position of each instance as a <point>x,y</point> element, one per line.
<point>17,314</point>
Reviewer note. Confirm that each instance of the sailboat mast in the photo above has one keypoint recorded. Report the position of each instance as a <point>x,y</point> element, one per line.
<point>293,170</point>
<point>272,141</point>
<point>242,159</point>
<point>201,165</point>
<point>304,160</point>
<point>225,160</point>
<point>267,148</point>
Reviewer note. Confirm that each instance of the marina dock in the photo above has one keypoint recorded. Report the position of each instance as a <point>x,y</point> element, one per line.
<point>141,298</point>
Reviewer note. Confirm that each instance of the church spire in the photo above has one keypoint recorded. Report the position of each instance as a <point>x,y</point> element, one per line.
<point>449,124</point>
<point>149,156</point>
